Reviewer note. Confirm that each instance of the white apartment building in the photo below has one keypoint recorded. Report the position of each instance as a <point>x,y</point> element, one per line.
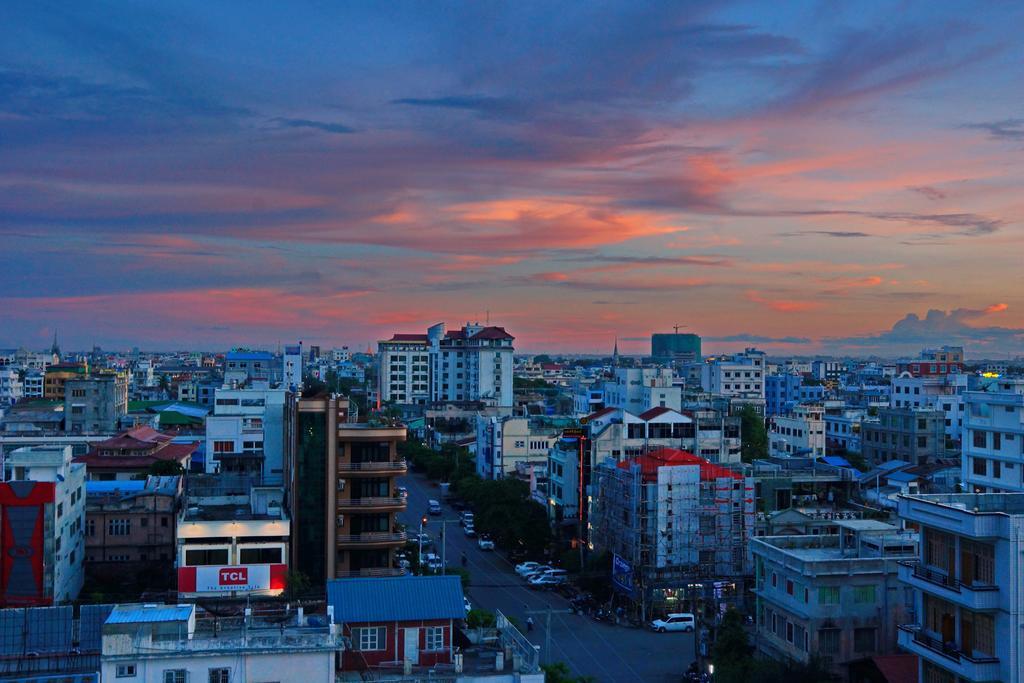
<point>143,375</point>
<point>292,367</point>
<point>503,442</point>
<point>404,372</point>
<point>474,363</point>
<point>33,384</point>
<point>835,596</point>
<point>741,375</point>
<point>992,450</point>
<point>938,392</point>
<point>587,397</point>
<point>43,490</point>
<point>245,432</point>
<point>842,430</point>
<point>968,586</point>
<point>11,389</point>
<point>802,432</point>
<point>150,643</point>
<point>342,355</point>
<point>640,389</point>
<point>232,538</point>
<point>618,434</point>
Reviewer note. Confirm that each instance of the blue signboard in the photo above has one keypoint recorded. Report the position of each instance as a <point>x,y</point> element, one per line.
<point>622,575</point>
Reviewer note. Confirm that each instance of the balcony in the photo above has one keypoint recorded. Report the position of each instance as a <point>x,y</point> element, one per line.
<point>385,467</point>
<point>373,539</point>
<point>977,597</point>
<point>371,504</point>
<point>948,655</point>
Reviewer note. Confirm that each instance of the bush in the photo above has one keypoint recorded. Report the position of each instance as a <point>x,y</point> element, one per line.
<point>480,618</point>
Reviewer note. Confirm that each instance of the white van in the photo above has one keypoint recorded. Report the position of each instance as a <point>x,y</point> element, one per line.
<point>675,622</point>
<point>433,507</point>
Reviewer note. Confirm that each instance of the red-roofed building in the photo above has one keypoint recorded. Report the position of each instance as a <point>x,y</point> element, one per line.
<point>676,521</point>
<point>133,452</point>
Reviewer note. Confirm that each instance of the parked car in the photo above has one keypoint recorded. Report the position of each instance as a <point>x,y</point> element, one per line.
<point>675,622</point>
<point>546,581</point>
<point>466,519</point>
<point>423,537</point>
<point>485,542</point>
<point>403,563</point>
<point>469,530</point>
<point>537,571</point>
<point>433,507</point>
<point>525,568</point>
<point>432,561</point>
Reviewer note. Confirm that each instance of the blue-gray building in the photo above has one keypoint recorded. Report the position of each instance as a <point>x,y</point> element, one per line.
<point>782,392</point>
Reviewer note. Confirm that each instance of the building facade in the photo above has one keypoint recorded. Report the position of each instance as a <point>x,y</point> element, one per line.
<point>95,404</point>
<point>740,375</point>
<point>992,450</point>
<point>640,389</point>
<point>471,364</point>
<point>504,441</point>
<point>403,375</point>
<point>667,348</point>
<point>967,586</point>
<point>917,436</point>
<point>42,514</point>
<point>245,433</point>
<point>801,432</point>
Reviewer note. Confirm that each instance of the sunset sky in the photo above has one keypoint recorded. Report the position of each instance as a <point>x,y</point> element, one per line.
<point>807,177</point>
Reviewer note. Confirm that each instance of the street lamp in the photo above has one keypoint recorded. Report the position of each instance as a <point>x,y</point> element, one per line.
<point>423,523</point>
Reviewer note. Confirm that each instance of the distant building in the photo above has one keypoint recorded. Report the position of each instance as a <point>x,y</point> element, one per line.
<point>908,434</point>
<point>404,372</point>
<point>666,348</point>
<point>966,582</point>
<point>801,432</point>
<point>42,514</point>
<point>992,451</point>
<point>827,370</point>
<point>242,367</point>
<point>640,389</point>
<point>56,375</point>
<point>938,392</point>
<point>95,404</point>
<point>842,430</point>
<point>293,367</point>
<point>502,442</point>
<point>471,364</point>
<point>947,360</point>
<point>740,375</point>
<point>245,433</point>
<point>676,522</point>
<point>783,392</point>
<point>152,643</point>
<point>132,453</point>
<point>233,537</point>
<point>833,596</point>
<point>129,527</point>
<point>33,384</point>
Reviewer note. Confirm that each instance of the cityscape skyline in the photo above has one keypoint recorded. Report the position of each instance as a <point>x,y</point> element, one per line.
<point>578,174</point>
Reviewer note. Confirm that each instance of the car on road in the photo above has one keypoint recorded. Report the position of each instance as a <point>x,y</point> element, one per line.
<point>469,530</point>
<point>680,621</point>
<point>433,507</point>
<point>546,581</point>
<point>466,519</point>
<point>432,561</point>
<point>485,542</point>
<point>424,538</point>
<point>525,568</point>
<point>537,571</point>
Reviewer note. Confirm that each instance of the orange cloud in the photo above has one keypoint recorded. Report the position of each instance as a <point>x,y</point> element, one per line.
<point>782,305</point>
<point>996,308</point>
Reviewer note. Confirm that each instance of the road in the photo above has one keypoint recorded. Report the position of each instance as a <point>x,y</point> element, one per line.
<point>602,651</point>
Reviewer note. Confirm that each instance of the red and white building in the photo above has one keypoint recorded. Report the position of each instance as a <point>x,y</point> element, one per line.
<point>232,537</point>
<point>948,360</point>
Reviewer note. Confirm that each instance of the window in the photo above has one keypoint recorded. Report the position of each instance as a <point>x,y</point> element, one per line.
<point>864,640</point>
<point>175,676</point>
<point>90,527</point>
<point>996,472</point>
<point>863,594</point>
<point>126,671</point>
<point>828,641</point>
<point>828,595</point>
<point>978,438</point>
<point>223,446</point>
<point>220,675</point>
<point>206,556</point>
<point>997,442</point>
<point>119,527</point>
<point>979,466</point>
<point>259,556</point>
<point>435,638</point>
<point>369,638</point>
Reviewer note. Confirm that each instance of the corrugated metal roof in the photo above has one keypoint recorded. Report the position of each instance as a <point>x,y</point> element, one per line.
<point>142,614</point>
<point>403,598</point>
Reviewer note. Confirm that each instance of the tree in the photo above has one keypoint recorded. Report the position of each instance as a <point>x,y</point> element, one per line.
<point>163,468</point>
<point>753,435</point>
<point>558,672</point>
<point>731,652</point>
<point>296,584</point>
<point>542,358</point>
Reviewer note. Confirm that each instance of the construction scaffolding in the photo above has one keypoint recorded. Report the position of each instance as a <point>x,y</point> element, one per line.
<point>675,519</point>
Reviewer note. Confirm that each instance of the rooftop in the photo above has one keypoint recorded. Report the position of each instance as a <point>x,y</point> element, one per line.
<point>405,598</point>
<point>672,457</point>
<point>975,503</point>
<point>149,613</point>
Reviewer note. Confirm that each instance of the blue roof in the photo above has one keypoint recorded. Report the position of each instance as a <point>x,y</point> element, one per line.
<point>185,409</point>
<point>146,614</point>
<point>901,476</point>
<point>250,355</point>
<point>402,598</point>
<point>836,461</point>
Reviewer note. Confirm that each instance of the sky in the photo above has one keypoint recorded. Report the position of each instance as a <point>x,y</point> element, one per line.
<point>807,177</point>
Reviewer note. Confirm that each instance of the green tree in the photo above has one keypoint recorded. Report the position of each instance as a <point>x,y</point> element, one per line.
<point>731,652</point>
<point>753,435</point>
<point>296,584</point>
<point>162,468</point>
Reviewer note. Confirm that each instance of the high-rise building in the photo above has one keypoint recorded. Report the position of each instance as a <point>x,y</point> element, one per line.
<point>992,450</point>
<point>342,484</point>
<point>666,348</point>
<point>293,367</point>
<point>471,364</point>
<point>404,371</point>
<point>42,514</point>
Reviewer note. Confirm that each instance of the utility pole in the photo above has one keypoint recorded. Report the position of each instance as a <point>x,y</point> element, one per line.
<point>547,628</point>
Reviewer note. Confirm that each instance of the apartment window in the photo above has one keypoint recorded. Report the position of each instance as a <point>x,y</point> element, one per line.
<point>863,594</point>
<point>369,638</point>
<point>125,671</point>
<point>864,640</point>
<point>996,471</point>
<point>119,527</point>
<point>435,638</point>
<point>223,446</point>
<point>978,438</point>
<point>220,676</point>
<point>60,510</point>
<point>175,676</point>
<point>775,580</point>
<point>90,527</point>
<point>828,641</point>
<point>789,587</point>
<point>979,466</point>
<point>259,556</point>
<point>997,440</point>
<point>206,556</point>
<point>828,595</point>
<point>922,441</point>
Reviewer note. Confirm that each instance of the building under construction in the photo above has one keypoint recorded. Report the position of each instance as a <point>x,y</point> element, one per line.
<point>678,528</point>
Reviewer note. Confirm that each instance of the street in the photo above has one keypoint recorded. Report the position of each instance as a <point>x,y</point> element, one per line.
<point>602,651</point>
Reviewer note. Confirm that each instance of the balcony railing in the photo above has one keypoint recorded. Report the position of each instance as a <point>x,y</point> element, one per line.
<point>944,580</point>
<point>374,466</point>
<point>950,650</point>
<point>373,537</point>
<point>370,502</point>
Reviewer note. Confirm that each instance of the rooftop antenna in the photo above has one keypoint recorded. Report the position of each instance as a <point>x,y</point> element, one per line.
<point>676,328</point>
<point>488,311</point>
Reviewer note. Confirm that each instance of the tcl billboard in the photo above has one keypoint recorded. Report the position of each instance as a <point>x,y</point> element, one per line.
<point>245,577</point>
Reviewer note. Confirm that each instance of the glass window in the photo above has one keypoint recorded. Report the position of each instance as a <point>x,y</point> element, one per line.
<point>206,556</point>
<point>220,675</point>
<point>369,638</point>
<point>435,638</point>
<point>863,594</point>
<point>978,438</point>
<point>828,641</point>
<point>259,556</point>
<point>175,676</point>
<point>863,639</point>
<point>828,595</point>
<point>125,671</point>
